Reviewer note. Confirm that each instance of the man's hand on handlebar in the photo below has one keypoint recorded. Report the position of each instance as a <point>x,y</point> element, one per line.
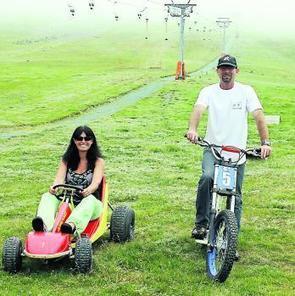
<point>265,151</point>
<point>192,136</point>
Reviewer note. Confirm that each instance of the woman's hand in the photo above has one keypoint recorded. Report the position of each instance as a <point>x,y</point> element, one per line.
<point>87,191</point>
<point>51,190</point>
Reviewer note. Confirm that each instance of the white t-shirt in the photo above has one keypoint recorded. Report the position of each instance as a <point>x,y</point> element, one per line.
<point>227,114</point>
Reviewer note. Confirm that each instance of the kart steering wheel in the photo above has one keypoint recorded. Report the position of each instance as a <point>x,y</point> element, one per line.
<point>72,189</point>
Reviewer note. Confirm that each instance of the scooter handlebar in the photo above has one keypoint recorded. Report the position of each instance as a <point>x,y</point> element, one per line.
<point>251,152</point>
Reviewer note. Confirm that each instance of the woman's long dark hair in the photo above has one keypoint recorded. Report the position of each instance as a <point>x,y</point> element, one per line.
<point>71,156</point>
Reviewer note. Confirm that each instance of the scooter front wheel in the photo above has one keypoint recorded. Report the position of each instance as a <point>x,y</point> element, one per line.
<point>221,255</point>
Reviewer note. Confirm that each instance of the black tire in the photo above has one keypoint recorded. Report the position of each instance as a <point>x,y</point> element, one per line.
<point>122,224</point>
<point>83,255</point>
<point>221,257</point>
<point>12,255</point>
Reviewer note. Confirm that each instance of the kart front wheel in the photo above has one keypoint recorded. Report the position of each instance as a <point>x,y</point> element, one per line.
<point>220,256</point>
<point>122,224</point>
<point>12,255</point>
<point>83,255</point>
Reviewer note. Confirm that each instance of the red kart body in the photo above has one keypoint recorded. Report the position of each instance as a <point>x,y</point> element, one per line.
<point>47,244</point>
<point>54,244</point>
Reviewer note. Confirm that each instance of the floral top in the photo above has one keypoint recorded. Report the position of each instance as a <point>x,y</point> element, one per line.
<point>82,180</point>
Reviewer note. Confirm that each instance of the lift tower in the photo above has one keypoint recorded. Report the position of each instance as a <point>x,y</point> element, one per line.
<point>223,22</point>
<point>180,10</point>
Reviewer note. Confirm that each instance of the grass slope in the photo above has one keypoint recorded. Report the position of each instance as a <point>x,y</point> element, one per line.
<point>152,168</point>
<point>48,78</point>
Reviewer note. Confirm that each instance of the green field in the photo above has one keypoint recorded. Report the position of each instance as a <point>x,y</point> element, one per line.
<point>149,165</point>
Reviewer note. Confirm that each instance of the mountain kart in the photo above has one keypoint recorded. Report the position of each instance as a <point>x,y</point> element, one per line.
<point>54,245</point>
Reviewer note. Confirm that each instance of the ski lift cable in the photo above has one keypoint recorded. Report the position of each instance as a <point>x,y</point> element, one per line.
<point>126,3</point>
<point>155,2</point>
<point>132,4</point>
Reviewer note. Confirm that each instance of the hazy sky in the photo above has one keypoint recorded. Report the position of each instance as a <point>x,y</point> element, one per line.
<point>258,14</point>
<point>261,15</point>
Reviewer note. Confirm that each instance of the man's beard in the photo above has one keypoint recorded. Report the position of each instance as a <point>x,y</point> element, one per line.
<point>226,78</point>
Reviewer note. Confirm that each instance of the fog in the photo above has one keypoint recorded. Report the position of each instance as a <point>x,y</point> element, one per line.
<point>254,15</point>
<point>262,16</point>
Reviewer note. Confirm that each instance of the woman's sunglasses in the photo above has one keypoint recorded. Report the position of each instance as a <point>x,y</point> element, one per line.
<point>87,138</point>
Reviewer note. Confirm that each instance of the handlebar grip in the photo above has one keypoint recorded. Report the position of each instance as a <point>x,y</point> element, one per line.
<point>254,152</point>
<point>199,138</point>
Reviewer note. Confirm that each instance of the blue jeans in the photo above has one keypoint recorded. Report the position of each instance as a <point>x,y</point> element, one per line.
<point>204,190</point>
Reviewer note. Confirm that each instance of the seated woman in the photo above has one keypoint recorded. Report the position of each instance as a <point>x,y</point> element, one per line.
<point>81,165</point>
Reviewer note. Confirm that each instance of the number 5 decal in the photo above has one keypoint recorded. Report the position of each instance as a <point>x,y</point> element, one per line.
<point>226,178</point>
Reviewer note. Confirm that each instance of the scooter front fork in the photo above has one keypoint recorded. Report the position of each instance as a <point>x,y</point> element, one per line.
<point>231,203</point>
<point>213,212</point>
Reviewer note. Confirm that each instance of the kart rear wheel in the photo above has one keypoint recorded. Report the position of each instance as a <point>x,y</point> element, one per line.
<point>83,255</point>
<point>221,256</point>
<point>12,255</point>
<point>122,224</point>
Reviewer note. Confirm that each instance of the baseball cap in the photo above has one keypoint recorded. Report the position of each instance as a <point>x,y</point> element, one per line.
<point>227,60</point>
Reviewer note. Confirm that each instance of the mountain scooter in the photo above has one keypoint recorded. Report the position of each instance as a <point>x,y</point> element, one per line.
<point>222,234</point>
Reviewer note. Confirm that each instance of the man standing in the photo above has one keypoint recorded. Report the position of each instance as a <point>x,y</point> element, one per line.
<point>228,103</point>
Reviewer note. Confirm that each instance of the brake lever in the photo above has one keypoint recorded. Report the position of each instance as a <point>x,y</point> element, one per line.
<point>255,152</point>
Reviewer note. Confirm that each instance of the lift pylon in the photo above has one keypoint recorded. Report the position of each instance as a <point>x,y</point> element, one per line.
<point>181,11</point>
